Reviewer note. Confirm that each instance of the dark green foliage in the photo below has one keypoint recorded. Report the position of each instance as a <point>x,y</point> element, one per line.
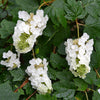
<point>27,5</point>
<point>60,27</point>
<point>82,86</point>
<point>45,97</point>
<point>7,28</point>
<point>28,89</point>
<point>74,10</point>
<point>17,74</point>
<point>96,96</point>
<point>57,61</point>
<point>56,13</point>
<point>6,92</point>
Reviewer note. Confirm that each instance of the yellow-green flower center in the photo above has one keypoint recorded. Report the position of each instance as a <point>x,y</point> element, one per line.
<point>22,44</point>
<point>81,70</point>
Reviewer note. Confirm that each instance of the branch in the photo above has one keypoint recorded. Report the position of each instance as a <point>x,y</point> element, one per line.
<point>33,53</point>
<point>86,95</point>
<point>77,28</point>
<point>46,3</point>
<point>31,95</point>
<point>54,49</point>
<point>23,84</point>
<point>98,75</point>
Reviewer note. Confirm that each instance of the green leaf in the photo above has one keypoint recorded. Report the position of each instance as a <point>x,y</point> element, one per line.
<point>61,49</point>
<point>79,96</point>
<point>92,26</point>
<point>45,97</point>
<point>32,98</point>
<point>96,54</point>
<point>1,52</point>
<point>21,91</point>
<point>60,35</point>
<point>4,75</point>
<point>42,47</point>
<point>63,84</point>
<point>57,61</point>
<point>97,45</point>
<point>93,8</point>
<point>73,98</point>
<point>6,92</point>
<point>28,88</point>
<point>65,93</point>
<point>65,78</point>
<point>18,74</point>
<point>86,2</point>
<point>90,78</point>
<point>97,82</point>
<point>49,30</point>
<point>51,73</point>
<point>56,13</point>
<point>74,10</point>
<point>81,84</point>
<point>95,60</point>
<point>96,96</point>
<point>3,14</point>
<point>64,75</point>
<point>28,5</point>
<point>6,29</point>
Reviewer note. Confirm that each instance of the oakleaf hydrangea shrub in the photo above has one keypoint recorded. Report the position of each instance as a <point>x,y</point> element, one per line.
<point>49,50</point>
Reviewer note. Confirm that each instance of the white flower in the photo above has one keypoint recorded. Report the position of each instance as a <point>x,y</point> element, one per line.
<point>78,55</point>
<point>11,60</point>
<point>38,75</point>
<point>26,31</point>
<point>99,91</point>
<point>23,15</point>
<point>39,22</point>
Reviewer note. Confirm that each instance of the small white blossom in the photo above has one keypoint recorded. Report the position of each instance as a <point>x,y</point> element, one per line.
<point>99,91</point>
<point>23,15</point>
<point>11,60</point>
<point>26,31</point>
<point>39,22</point>
<point>38,75</point>
<point>78,55</point>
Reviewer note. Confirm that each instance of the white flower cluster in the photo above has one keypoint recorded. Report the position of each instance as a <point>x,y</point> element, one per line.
<point>28,29</point>
<point>11,60</point>
<point>78,55</point>
<point>38,75</point>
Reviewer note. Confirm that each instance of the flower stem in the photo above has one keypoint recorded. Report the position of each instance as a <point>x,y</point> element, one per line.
<point>86,95</point>
<point>98,75</point>
<point>46,3</point>
<point>22,85</point>
<point>81,24</point>
<point>77,28</point>
<point>31,95</point>
<point>54,49</point>
<point>33,53</point>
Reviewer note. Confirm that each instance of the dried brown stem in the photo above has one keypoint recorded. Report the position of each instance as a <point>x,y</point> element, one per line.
<point>22,85</point>
<point>46,3</point>
<point>31,95</point>
<point>98,75</point>
<point>54,49</point>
